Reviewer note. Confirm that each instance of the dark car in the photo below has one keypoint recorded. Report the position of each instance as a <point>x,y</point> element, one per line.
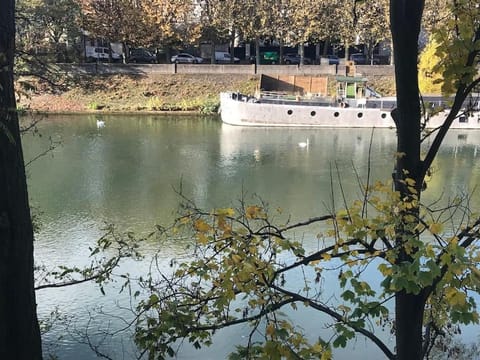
<point>142,56</point>
<point>293,58</point>
<point>330,60</point>
<point>381,59</point>
<point>359,59</point>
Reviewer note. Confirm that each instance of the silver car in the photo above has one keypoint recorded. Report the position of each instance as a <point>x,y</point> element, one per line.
<point>186,59</point>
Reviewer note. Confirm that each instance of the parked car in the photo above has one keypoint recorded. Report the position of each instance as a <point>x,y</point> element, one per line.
<point>294,58</point>
<point>267,57</point>
<point>101,54</point>
<point>223,57</point>
<point>270,57</point>
<point>381,59</point>
<point>330,60</point>
<point>186,59</point>
<point>142,55</point>
<point>359,59</point>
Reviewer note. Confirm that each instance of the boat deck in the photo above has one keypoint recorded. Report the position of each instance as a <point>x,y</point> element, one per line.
<point>384,103</point>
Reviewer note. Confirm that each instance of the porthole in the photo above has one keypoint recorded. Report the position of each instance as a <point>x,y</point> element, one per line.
<point>336,114</point>
<point>384,116</point>
<point>359,115</point>
<point>289,112</point>
<point>313,113</point>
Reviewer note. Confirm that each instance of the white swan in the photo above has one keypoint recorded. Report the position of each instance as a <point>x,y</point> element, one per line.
<point>100,123</point>
<point>304,144</point>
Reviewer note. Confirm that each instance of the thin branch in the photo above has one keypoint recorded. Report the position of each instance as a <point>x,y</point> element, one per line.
<point>338,317</point>
<point>69,283</point>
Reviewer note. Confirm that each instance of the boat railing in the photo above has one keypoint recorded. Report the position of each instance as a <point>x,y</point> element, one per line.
<point>279,95</point>
<point>284,96</point>
<point>275,97</point>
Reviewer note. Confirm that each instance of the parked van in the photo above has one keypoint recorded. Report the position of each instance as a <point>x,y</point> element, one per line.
<point>222,57</point>
<point>101,54</point>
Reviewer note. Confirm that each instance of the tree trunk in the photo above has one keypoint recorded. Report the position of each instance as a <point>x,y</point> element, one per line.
<point>405,18</point>
<point>281,51</point>
<point>347,55</point>
<point>326,45</point>
<point>257,52</point>
<point>212,54</point>
<point>19,330</point>
<point>409,310</point>
<point>301,48</point>
<point>232,47</point>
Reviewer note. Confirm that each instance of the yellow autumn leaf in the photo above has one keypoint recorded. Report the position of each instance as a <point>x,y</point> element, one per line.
<point>326,256</point>
<point>202,239</point>
<point>201,226</point>
<point>475,276</point>
<point>429,251</point>
<point>435,228</point>
<point>454,297</point>
<point>419,227</point>
<point>243,277</point>
<point>453,240</point>
<point>237,259</point>
<point>185,220</point>
<point>317,348</point>
<point>253,212</point>
<point>270,330</point>
<point>385,269</point>
<point>410,181</point>
<point>326,355</point>
<point>226,212</point>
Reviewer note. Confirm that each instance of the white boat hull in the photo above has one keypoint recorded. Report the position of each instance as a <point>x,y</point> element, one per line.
<point>237,109</point>
<point>248,113</point>
<point>471,120</point>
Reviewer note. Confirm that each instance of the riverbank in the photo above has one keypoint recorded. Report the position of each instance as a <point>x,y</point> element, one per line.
<point>197,93</point>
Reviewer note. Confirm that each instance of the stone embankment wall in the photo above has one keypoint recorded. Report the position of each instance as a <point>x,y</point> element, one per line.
<point>154,69</point>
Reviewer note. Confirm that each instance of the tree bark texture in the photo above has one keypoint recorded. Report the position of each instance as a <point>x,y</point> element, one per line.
<point>19,330</point>
<point>405,19</point>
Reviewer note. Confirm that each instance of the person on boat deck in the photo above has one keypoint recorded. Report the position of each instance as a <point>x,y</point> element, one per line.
<point>342,103</point>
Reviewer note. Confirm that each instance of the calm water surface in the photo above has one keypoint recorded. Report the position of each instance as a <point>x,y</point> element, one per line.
<point>126,173</point>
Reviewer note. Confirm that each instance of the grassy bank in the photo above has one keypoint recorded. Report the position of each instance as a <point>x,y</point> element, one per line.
<point>123,93</point>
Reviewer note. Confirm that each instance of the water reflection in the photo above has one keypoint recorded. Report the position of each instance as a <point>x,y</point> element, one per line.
<point>128,171</point>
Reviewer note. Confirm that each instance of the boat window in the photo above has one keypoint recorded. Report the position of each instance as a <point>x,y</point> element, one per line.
<point>336,114</point>
<point>289,112</point>
<point>359,115</point>
<point>313,113</point>
<point>463,119</point>
<point>384,116</point>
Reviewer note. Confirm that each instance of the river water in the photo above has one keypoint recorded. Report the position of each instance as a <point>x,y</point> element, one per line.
<point>127,173</point>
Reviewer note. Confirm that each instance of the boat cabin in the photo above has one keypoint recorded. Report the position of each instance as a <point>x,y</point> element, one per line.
<point>351,91</point>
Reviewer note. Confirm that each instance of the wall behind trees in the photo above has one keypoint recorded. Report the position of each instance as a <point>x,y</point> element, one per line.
<point>146,69</point>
